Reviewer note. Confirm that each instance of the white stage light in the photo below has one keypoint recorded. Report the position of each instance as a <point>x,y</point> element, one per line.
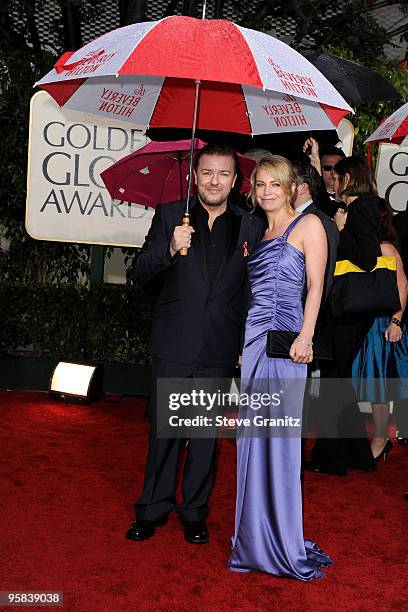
<point>76,381</point>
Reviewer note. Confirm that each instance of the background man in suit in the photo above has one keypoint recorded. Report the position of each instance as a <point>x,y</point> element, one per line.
<point>324,162</point>
<point>196,330</point>
<point>308,185</point>
<point>329,157</point>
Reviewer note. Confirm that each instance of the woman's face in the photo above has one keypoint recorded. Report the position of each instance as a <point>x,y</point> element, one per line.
<point>338,186</point>
<point>269,193</point>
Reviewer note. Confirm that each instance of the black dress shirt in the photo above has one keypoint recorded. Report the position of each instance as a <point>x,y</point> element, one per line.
<point>215,243</point>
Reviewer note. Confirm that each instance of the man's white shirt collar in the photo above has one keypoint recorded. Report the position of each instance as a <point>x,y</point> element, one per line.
<point>302,207</point>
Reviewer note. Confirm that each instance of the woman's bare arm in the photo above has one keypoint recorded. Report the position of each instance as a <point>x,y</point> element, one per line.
<point>314,245</point>
<point>393,332</point>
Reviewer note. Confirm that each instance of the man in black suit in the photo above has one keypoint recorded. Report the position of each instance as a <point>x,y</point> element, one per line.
<point>324,162</point>
<point>307,188</point>
<point>308,182</point>
<point>196,330</point>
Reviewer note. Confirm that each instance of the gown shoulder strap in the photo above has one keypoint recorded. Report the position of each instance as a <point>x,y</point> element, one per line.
<point>291,226</point>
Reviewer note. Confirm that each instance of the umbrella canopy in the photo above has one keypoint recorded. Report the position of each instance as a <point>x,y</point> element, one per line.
<point>251,83</point>
<point>393,129</point>
<point>158,172</point>
<point>355,82</point>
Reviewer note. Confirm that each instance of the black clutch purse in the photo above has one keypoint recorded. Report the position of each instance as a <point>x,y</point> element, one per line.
<point>278,344</point>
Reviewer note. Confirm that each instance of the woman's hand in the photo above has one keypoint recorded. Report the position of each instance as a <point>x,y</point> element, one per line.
<point>301,350</point>
<point>340,218</point>
<point>393,333</point>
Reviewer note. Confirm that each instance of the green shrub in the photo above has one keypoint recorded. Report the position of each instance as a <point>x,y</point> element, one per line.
<point>104,323</point>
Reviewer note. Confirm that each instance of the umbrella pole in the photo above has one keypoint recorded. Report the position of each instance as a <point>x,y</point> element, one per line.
<point>180,161</point>
<point>186,218</point>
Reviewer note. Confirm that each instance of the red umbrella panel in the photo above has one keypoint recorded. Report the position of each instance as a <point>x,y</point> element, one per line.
<point>251,83</point>
<point>158,173</point>
<point>394,129</point>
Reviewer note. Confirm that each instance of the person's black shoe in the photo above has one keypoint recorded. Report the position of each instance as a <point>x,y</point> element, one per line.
<point>143,529</point>
<point>402,441</point>
<point>195,532</point>
<point>363,468</point>
<point>384,452</point>
<point>319,468</point>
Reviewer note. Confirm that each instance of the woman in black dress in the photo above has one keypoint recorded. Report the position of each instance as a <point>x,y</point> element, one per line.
<point>358,223</point>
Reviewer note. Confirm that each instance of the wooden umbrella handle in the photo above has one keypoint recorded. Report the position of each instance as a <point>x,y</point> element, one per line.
<point>186,223</point>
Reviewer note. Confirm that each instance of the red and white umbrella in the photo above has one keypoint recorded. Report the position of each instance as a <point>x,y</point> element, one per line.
<point>251,83</point>
<point>394,129</point>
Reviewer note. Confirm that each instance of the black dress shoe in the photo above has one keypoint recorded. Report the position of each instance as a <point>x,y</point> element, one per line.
<point>320,468</point>
<point>196,532</point>
<point>402,441</point>
<point>143,529</point>
<point>363,468</point>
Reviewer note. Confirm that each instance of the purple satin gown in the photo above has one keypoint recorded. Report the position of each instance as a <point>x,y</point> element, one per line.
<point>268,522</point>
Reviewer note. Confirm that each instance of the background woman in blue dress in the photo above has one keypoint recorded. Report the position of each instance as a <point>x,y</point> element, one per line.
<point>384,352</point>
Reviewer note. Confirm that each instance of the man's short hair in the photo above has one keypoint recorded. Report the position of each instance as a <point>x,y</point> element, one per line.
<point>332,150</point>
<point>306,173</point>
<point>217,149</point>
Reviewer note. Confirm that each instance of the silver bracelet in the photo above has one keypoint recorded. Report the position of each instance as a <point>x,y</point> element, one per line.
<point>308,344</point>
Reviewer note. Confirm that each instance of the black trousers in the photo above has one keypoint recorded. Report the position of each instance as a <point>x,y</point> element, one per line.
<point>351,448</point>
<point>158,496</point>
<point>342,411</point>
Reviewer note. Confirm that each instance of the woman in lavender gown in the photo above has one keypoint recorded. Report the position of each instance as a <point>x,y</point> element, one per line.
<point>286,273</point>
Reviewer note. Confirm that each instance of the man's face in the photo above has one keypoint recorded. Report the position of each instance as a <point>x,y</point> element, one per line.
<point>215,177</point>
<point>302,194</point>
<point>328,162</point>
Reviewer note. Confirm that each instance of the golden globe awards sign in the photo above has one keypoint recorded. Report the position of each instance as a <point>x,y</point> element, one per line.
<point>66,198</point>
<point>392,175</point>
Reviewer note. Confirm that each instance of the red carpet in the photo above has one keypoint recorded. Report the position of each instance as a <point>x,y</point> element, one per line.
<point>69,476</point>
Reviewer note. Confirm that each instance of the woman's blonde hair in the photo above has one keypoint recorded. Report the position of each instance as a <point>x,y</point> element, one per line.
<point>280,168</point>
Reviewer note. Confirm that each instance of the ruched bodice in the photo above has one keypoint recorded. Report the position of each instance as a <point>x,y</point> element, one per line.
<point>277,276</point>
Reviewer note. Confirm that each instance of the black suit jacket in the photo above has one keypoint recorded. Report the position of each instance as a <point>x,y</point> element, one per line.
<point>324,201</point>
<point>359,240</point>
<point>332,235</point>
<point>195,319</point>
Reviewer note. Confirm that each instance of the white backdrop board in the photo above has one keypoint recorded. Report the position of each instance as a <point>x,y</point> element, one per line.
<point>345,132</point>
<point>66,199</point>
<point>392,175</point>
